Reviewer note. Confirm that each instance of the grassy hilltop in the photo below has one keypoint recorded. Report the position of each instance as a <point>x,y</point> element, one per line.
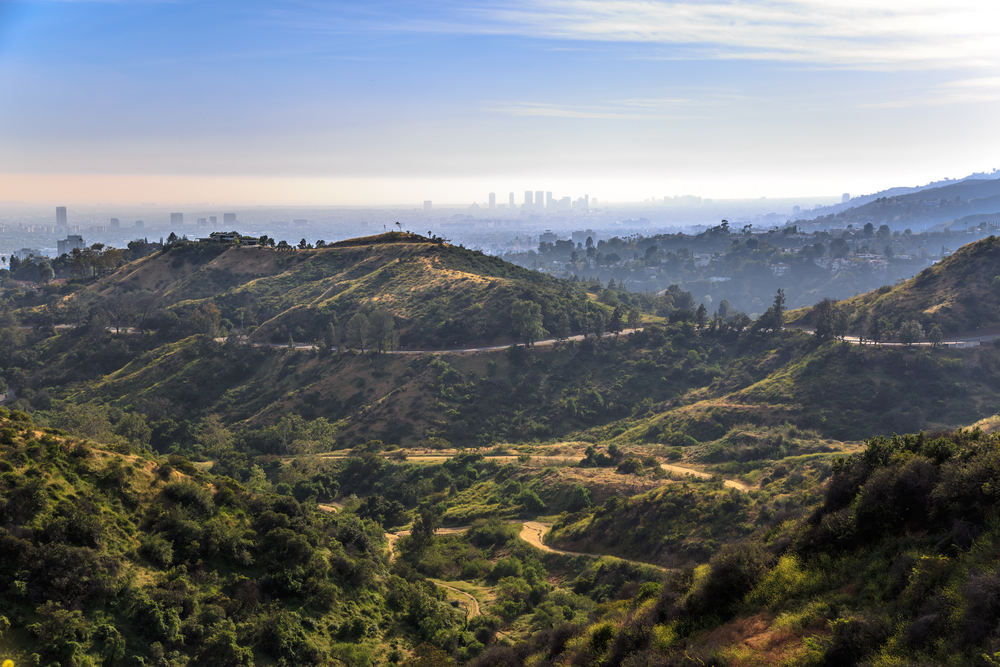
<point>439,294</point>
<point>960,294</point>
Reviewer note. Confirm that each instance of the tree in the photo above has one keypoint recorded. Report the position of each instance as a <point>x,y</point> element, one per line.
<point>634,318</point>
<point>358,330</point>
<point>701,316</point>
<point>133,427</point>
<point>330,336</point>
<point>879,330</point>
<point>910,332</point>
<point>205,320</point>
<point>527,319</point>
<point>615,325</point>
<point>45,272</point>
<point>172,239</point>
<point>120,310</point>
<point>779,309</point>
<point>935,336</point>
<point>562,326</point>
<point>382,329</point>
<point>213,435</point>
<point>725,309</point>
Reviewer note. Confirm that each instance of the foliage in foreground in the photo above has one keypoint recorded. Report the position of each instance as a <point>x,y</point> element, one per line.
<point>115,559</point>
<point>898,565</point>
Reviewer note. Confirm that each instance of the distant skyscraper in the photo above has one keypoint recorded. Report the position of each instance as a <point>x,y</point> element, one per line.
<point>139,224</point>
<point>229,219</point>
<point>69,244</point>
<point>846,197</point>
<point>528,198</point>
<point>61,215</point>
<point>212,220</point>
<point>548,200</point>
<point>115,224</point>
<point>427,204</point>
<point>176,218</point>
<point>511,200</point>
<point>493,200</point>
<point>539,199</point>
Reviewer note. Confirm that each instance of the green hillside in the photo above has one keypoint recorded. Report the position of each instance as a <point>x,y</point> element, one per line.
<point>439,294</point>
<point>958,294</point>
<point>112,558</point>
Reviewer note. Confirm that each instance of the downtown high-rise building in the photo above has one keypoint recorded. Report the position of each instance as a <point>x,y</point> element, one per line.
<point>176,218</point>
<point>228,218</point>
<point>427,204</point>
<point>61,215</point>
<point>529,200</point>
<point>213,220</point>
<point>539,199</point>
<point>511,204</point>
<point>493,200</point>
<point>115,223</point>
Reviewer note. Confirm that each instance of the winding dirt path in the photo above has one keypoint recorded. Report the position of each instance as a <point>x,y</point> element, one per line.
<point>690,472</point>
<point>532,532</point>
<point>472,610</point>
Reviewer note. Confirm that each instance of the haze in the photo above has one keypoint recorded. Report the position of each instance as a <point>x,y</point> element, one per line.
<point>398,102</point>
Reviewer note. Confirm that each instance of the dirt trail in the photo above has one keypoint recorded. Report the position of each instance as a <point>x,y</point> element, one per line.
<point>731,483</point>
<point>330,507</point>
<point>532,532</point>
<point>473,608</point>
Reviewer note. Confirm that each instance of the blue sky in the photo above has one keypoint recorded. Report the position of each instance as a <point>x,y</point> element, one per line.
<point>391,102</point>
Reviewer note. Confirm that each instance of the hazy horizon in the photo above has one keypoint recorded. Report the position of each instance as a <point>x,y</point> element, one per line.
<point>369,105</point>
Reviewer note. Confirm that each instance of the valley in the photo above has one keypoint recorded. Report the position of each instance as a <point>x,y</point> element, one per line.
<point>394,448</point>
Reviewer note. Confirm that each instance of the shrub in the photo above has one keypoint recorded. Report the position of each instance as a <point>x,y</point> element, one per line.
<point>157,550</point>
<point>191,496</point>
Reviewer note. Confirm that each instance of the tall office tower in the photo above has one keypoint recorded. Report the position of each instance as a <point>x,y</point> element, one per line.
<point>427,204</point>
<point>60,215</point>
<point>176,218</point>
<point>528,201</point>
<point>511,205</point>
<point>229,218</point>
<point>586,201</point>
<point>548,200</point>
<point>846,197</point>
<point>115,224</point>
<point>139,224</point>
<point>212,219</point>
<point>493,200</point>
<point>539,200</point>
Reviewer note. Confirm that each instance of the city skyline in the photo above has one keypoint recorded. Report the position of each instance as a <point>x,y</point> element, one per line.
<point>345,104</point>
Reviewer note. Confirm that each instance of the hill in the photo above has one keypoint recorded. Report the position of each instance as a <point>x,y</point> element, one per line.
<point>958,294</point>
<point>439,294</point>
<point>928,207</point>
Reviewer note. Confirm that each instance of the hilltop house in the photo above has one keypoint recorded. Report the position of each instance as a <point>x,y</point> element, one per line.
<point>230,238</point>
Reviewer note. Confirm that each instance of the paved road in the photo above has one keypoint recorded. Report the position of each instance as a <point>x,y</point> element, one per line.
<point>493,348</point>
<point>961,343</point>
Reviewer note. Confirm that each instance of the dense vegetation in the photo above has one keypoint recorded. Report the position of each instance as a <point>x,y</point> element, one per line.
<point>897,565</point>
<point>766,546</point>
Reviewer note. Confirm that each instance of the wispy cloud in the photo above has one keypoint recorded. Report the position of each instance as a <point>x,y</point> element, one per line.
<point>635,109</point>
<point>834,33</point>
<point>962,91</point>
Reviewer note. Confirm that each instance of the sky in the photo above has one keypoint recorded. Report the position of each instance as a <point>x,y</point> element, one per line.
<point>385,102</point>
